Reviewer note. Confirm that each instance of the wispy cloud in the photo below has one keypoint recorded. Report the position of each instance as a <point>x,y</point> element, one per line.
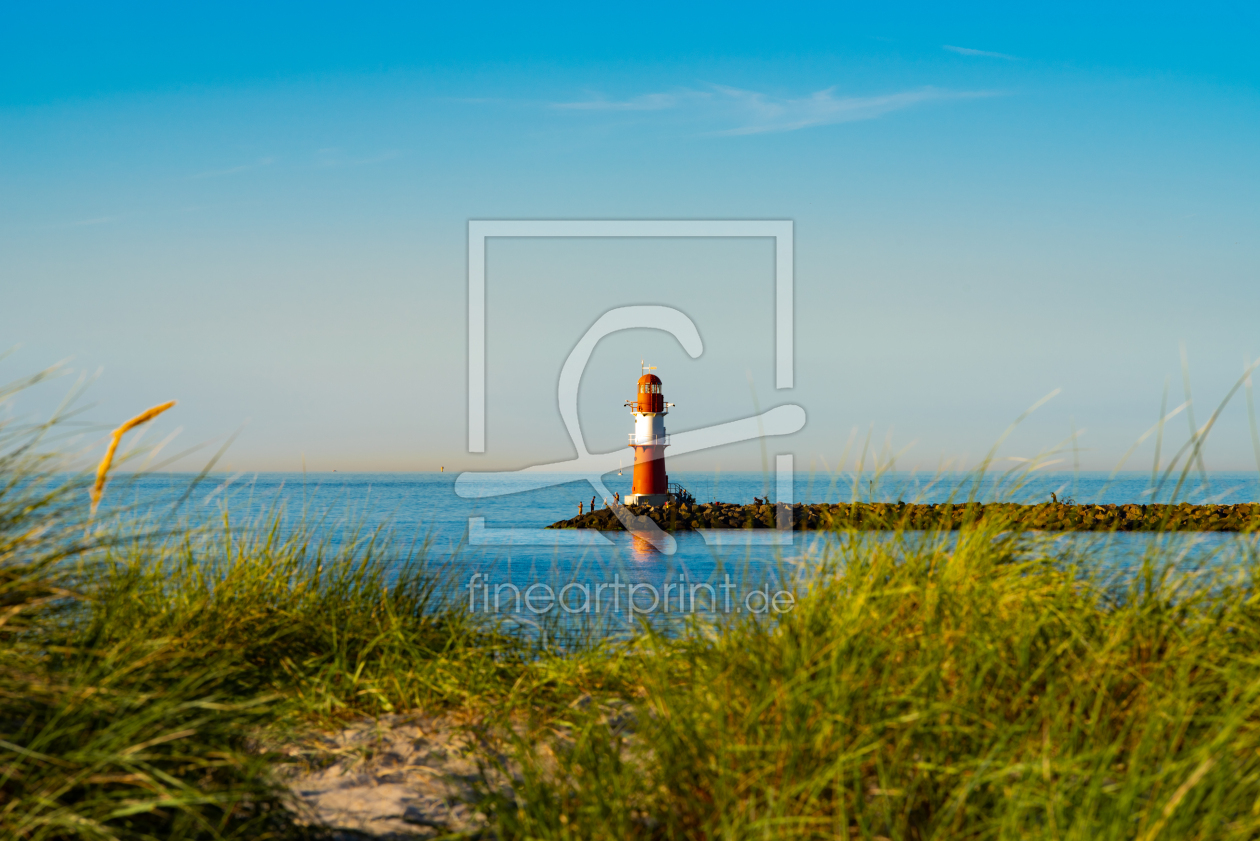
<point>647,102</point>
<point>216,173</point>
<point>981,53</point>
<point>336,157</point>
<point>824,108</point>
<point>83,223</point>
<point>734,111</point>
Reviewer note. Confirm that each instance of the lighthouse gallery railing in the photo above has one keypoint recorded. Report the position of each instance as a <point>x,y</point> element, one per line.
<point>663,441</point>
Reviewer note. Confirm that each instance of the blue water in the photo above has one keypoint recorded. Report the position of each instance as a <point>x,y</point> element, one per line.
<point>501,538</point>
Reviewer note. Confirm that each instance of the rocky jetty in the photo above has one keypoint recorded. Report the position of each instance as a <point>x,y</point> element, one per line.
<point>1049,516</point>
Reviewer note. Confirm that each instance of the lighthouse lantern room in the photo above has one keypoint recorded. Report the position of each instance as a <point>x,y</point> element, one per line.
<point>651,484</point>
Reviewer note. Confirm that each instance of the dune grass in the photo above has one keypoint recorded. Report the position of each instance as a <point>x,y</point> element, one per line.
<point>103,738</point>
<point>945,688</point>
<point>149,671</point>
<point>950,690</point>
<point>365,626</point>
<point>143,665</point>
<point>947,685</point>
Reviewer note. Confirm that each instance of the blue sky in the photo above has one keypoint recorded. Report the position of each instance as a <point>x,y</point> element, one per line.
<point>262,213</point>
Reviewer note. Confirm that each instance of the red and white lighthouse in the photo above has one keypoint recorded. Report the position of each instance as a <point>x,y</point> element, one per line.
<point>651,484</point>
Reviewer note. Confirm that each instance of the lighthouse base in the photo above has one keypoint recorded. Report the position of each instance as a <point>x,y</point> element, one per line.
<point>647,499</point>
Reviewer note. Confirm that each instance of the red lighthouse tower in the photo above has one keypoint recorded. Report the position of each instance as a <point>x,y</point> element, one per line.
<point>651,484</point>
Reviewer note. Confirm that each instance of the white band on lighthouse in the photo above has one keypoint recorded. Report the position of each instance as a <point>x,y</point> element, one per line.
<point>648,428</point>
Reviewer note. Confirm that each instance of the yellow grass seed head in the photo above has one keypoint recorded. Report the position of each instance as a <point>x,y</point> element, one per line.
<point>102,470</point>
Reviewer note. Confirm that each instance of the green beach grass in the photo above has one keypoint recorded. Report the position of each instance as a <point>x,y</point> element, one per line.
<point>958,685</point>
<point>947,692</point>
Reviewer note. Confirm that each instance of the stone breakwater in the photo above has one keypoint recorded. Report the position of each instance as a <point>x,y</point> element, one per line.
<point>877,516</point>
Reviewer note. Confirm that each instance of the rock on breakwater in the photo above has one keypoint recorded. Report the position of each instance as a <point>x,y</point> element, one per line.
<point>1048,516</point>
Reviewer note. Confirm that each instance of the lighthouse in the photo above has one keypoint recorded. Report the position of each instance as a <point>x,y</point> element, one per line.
<point>651,484</point>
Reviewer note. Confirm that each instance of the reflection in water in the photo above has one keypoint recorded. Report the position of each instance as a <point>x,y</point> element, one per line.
<point>641,549</point>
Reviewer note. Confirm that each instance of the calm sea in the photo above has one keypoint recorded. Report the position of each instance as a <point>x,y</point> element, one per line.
<point>501,538</point>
